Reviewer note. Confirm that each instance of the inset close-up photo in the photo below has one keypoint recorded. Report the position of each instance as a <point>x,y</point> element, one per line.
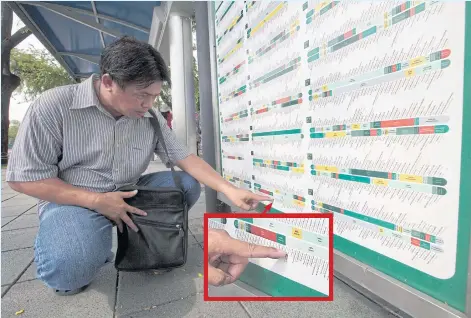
<point>262,256</point>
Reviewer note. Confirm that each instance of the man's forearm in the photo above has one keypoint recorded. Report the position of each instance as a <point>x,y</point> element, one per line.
<point>204,173</point>
<point>56,191</point>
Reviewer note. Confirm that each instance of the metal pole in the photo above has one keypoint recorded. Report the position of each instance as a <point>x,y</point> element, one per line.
<point>189,85</point>
<point>206,105</point>
<point>177,73</point>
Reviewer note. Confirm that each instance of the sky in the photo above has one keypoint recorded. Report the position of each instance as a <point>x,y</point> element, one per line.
<point>18,106</point>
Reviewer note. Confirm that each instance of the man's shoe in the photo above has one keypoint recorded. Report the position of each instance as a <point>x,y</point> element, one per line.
<point>69,292</point>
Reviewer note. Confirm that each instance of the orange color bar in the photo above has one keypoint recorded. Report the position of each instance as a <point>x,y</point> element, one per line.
<point>397,123</point>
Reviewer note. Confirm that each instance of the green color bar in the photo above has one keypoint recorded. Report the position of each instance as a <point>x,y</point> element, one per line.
<point>313,52</point>
<point>348,177</point>
<point>279,69</point>
<point>291,103</point>
<point>407,131</point>
<point>283,168</point>
<point>436,181</point>
<point>278,132</point>
<point>375,174</point>
<point>289,69</point>
<point>360,133</point>
<point>441,129</point>
<point>313,58</point>
<point>247,220</point>
<point>281,239</point>
<point>365,218</point>
<point>439,190</point>
<point>418,234</point>
<point>326,8</point>
<point>425,245</point>
<point>225,12</point>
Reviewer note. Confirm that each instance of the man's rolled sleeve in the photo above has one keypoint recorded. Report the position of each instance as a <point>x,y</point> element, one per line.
<point>176,150</point>
<point>37,147</point>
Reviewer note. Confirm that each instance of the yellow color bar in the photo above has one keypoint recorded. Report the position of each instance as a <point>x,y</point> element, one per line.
<point>298,203</point>
<point>417,61</point>
<point>411,178</point>
<point>335,134</point>
<point>238,46</point>
<point>298,170</point>
<point>380,182</point>
<point>234,21</point>
<point>327,168</point>
<point>410,72</point>
<point>267,18</point>
<point>321,5</point>
<point>297,233</point>
<point>356,126</point>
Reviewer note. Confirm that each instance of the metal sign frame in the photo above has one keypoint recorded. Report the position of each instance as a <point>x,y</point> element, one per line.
<point>406,299</point>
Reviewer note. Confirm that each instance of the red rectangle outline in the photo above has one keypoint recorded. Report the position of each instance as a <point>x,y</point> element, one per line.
<point>329,216</point>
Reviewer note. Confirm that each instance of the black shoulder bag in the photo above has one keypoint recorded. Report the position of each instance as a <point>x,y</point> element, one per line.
<point>162,239</point>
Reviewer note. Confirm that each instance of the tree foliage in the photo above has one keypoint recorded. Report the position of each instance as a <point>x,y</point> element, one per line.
<point>10,81</point>
<point>38,71</point>
<point>13,130</point>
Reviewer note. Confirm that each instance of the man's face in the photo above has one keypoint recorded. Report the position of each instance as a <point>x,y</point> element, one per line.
<point>133,101</point>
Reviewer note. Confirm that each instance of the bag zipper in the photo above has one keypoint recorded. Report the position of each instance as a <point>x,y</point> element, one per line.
<point>167,225</point>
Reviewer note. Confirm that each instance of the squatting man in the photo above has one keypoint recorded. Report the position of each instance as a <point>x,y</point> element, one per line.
<point>78,144</point>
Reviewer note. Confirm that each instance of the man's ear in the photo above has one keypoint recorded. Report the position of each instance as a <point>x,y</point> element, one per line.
<point>107,82</point>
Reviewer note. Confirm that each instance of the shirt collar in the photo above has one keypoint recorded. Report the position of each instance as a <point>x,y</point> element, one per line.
<point>86,96</point>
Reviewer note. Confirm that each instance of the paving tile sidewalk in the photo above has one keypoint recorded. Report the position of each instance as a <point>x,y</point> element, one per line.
<point>138,295</point>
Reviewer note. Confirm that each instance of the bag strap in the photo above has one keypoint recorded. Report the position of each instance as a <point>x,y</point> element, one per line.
<point>155,123</point>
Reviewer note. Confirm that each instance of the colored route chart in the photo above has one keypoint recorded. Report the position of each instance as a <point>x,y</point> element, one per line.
<point>306,241</point>
<point>356,108</point>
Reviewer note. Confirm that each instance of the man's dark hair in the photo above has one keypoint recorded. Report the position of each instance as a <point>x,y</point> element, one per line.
<point>128,60</point>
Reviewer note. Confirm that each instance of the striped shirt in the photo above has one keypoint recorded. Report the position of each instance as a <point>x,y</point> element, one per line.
<point>66,133</point>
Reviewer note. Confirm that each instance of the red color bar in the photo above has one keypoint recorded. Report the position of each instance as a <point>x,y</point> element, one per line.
<point>403,7</point>
<point>268,235</point>
<point>231,157</point>
<point>445,53</point>
<point>263,110</point>
<point>415,241</point>
<point>412,12</point>
<point>427,237</point>
<point>348,34</point>
<point>394,68</point>
<point>255,230</point>
<point>264,191</point>
<point>342,211</point>
<point>283,100</point>
<point>235,68</point>
<point>397,123</point>
<point>373,132</point>
<point>389,175</point>
<point>426,130</point>
<point>300,100</point>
